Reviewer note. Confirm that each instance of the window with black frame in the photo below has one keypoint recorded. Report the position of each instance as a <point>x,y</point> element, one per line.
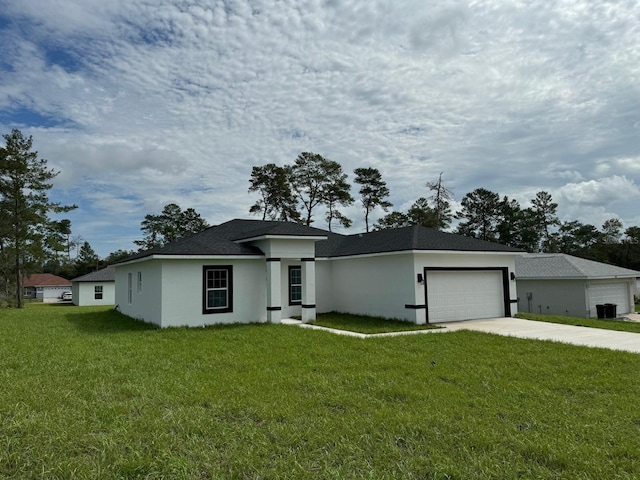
<point>295,285</point>
<point>217,289</point>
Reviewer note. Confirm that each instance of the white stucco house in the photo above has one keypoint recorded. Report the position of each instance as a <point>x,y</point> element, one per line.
<point>46,287</point>
<point>263,271</point>
<point>95,288</point>
<point>560,284</point>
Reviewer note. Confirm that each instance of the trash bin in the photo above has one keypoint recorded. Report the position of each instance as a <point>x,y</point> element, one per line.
<point>600,310</point>
<point>610,310</point>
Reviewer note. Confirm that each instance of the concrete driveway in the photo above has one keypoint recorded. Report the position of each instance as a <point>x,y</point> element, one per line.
<point>585,336</point>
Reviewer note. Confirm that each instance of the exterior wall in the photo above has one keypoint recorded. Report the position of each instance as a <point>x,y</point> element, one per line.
<point>145,305</point>
<point>387,285</point>
<point>324,286</point>
<point>553,297</point>
<point>182,297</point>
<point>566,297</point>
<point>288,311</point>
<point>172,292</point>
<point>462,260</point>
<point>84,293</point>
<point>374,285</point>
<point>287,247</point>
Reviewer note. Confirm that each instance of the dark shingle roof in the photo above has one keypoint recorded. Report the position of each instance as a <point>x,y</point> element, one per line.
<point>227,239</point>
<point>107,274</point>
<point>404,239</point>
<point>560,265</point>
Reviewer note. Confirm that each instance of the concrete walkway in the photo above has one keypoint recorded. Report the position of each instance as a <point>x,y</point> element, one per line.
<point>520,328</point>
<point>585,336</point>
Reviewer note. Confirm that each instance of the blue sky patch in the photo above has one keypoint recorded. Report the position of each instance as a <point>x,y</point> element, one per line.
<point>30,118</point>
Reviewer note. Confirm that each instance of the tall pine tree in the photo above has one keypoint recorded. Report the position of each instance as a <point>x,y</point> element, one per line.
<point>25,182</point>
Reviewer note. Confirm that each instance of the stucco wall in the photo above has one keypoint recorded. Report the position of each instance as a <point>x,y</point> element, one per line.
<point>84,293</point>
<point>287,247</point>
<point>172,292</point>
<point>376,285</point>
<point>183,293</point>
<point>147,304</point>
<point>553,297</point>
<point>383,285</point>
<point>567,297</point>
<point>324,286</point>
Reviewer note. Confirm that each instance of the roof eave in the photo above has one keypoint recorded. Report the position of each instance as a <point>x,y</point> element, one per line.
<point>315,238</point>
<point>167,256</point>
<point>417,251</point>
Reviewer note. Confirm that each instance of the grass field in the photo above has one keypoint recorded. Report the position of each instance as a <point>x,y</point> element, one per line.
<point>367,325</point>
<point>88,393</point>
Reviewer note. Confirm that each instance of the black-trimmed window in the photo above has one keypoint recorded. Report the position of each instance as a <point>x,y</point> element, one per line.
<point>217,283</point>
<point>97,292</point>
<point>295,285</point>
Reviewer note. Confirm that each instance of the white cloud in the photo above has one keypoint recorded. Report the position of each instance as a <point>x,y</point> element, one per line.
<point>600,192</point>
<point>175,101</point>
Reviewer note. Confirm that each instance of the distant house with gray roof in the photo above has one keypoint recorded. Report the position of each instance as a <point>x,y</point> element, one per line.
<point>264,271</point>
<point>95,288</point>
<point>560,284</point>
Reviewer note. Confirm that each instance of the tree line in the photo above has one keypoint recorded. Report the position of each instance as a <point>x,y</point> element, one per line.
<point>296,192</point>
<point>31,241</point>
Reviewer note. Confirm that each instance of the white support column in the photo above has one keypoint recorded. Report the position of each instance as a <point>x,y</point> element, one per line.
<point>274,297</point>
<point>308,289</point>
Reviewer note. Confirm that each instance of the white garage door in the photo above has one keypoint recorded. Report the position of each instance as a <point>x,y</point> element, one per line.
<point>600,293</point>
<point>464,295</point>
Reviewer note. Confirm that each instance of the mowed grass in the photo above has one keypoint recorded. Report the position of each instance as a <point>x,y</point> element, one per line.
<point>606,324</point>
<point>367,325</point>
<point>89,393</point>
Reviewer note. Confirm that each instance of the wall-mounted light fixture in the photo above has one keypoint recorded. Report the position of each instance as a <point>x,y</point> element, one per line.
<point>420,278</point>
<point>513,276</point>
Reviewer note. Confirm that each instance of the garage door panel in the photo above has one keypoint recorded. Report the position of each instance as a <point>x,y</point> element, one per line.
<point>464,295</point>
<point>600,293</point>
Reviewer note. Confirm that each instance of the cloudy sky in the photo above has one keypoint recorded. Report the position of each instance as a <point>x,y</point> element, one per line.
<point>143,103</point>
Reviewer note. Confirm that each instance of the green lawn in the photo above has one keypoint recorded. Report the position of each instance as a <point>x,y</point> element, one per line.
<point>88,393</point>
<point>606,324</point>
<point>368,325</point>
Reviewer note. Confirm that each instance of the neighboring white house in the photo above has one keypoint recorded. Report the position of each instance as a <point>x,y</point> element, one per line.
<point>560,284</point>
<point>259,271</point>
<point>45,287</point>
<point>95,288</point>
